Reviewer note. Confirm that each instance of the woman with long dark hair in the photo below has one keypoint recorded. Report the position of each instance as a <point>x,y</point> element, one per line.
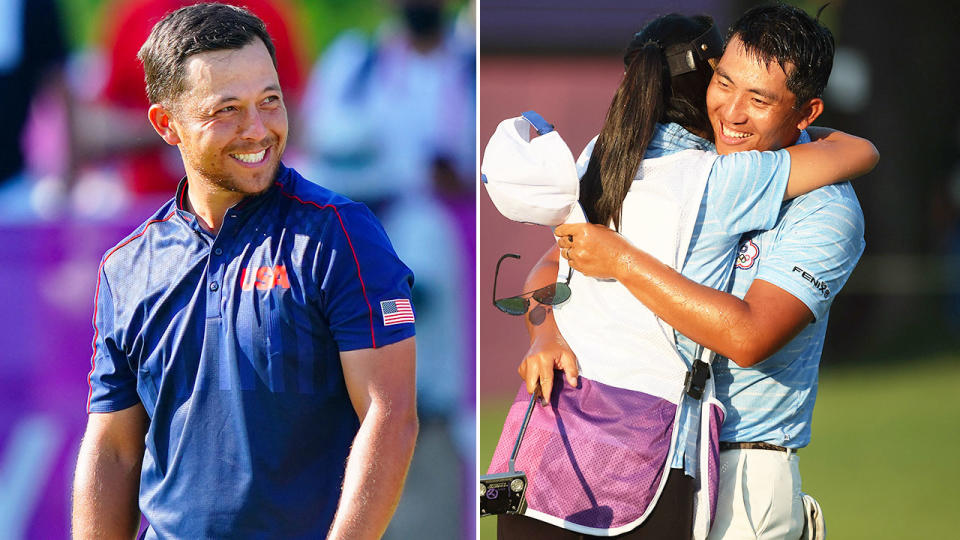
<point>640,425</point>
<point>647,96</point>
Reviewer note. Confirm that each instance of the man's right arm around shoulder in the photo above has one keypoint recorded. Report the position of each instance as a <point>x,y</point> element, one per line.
<point>107,478</point>
<point>745,331</point>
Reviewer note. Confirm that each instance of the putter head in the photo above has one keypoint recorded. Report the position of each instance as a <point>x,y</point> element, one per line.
<point>503,493</point>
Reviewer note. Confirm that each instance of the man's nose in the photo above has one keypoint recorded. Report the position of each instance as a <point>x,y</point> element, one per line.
<point>253,127</point>
<point>735,111</point>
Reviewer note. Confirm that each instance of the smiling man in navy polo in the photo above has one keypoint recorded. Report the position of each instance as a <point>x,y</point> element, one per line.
<point>251,337</point>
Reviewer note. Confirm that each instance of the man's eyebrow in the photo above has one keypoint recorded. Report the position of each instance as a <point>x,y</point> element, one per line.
<point>766,94</point>
<point>223,99</point>
<point>721,73</point>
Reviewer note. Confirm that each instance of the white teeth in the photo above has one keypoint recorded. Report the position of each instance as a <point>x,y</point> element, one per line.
<point>251,158</point>
<point>735,134</point>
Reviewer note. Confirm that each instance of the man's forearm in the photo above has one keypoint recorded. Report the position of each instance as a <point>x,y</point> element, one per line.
<point>743,331</point>
<point>105,488</point>
<point>375,473</point>
<point>699,312</point>
<point>707,316</point>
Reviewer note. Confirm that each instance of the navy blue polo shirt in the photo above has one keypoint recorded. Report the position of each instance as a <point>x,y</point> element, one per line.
<point>232,343</point>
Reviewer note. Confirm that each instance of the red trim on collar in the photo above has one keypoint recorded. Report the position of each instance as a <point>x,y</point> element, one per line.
<point>182,193</point>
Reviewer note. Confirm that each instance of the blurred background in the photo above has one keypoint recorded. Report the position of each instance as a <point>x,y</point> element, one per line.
<point>885,424</point>
<point>381,97</point>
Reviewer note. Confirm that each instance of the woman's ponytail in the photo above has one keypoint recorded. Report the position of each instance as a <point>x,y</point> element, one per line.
<point>627,130</point>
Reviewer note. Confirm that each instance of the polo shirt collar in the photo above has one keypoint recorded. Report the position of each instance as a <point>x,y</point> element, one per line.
<point>246,205</point>
<point>671,137</point>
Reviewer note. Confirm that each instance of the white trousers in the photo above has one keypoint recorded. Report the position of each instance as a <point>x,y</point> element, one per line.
<point>759,496</point>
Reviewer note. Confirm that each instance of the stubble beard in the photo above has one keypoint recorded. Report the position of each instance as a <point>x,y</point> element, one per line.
<point>216,176</point>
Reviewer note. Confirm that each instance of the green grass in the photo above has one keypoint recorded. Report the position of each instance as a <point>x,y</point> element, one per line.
<point>883,461</point>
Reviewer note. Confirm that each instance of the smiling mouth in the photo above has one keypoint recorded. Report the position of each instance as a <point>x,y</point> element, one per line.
<point>733,134</point>
<point>253,158</point>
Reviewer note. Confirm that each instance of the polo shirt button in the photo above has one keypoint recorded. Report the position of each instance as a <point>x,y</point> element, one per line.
<point>214,286</point>
<point>218,251</point>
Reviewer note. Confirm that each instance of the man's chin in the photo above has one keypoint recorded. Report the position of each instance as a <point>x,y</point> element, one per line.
<point>726,148</point>
<point>244,181</point>
<point>260,181</point>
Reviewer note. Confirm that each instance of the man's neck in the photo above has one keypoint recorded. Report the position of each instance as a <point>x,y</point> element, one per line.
<point>209,204</point>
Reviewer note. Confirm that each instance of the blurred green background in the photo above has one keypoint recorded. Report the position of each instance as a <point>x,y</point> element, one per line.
<point>882,462</point>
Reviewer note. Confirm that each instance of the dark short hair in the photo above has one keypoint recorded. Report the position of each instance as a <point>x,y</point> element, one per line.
<point>789,36</point>
<point>192,30</point>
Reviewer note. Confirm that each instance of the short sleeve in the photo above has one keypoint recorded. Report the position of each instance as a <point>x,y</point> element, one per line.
<point>365,288</point>
<point>113,385</point>
<point>745,189</point>
<point>816,252</point>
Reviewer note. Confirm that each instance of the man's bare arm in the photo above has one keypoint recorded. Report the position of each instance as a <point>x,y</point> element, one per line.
<point>832,156</point>
<point>382,387</point>
<point>107,479</point>
<point>745,331</point>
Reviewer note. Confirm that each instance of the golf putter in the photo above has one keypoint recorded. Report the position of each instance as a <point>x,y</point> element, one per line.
<point>505,493</point>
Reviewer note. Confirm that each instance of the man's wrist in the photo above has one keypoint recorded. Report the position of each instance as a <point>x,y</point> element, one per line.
<point>625,264</point>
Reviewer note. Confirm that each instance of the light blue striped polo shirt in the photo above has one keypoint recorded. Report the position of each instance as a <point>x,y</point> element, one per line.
<point>744,192</point>
<point>810,253</point>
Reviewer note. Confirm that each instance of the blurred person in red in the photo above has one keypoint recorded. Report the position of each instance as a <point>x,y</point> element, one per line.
<point>116,123</point>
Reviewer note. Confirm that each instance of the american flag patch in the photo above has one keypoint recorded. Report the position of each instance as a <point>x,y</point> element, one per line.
<point>396,311</point>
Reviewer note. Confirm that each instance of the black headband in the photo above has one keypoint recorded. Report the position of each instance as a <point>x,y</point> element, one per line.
<point>682,57</point>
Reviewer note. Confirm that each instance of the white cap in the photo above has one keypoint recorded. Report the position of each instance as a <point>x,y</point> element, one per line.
<point>530,181</point>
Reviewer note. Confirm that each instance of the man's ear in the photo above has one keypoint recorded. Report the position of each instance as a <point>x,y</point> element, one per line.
<point>163,123</point>
<point>809,112</point>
